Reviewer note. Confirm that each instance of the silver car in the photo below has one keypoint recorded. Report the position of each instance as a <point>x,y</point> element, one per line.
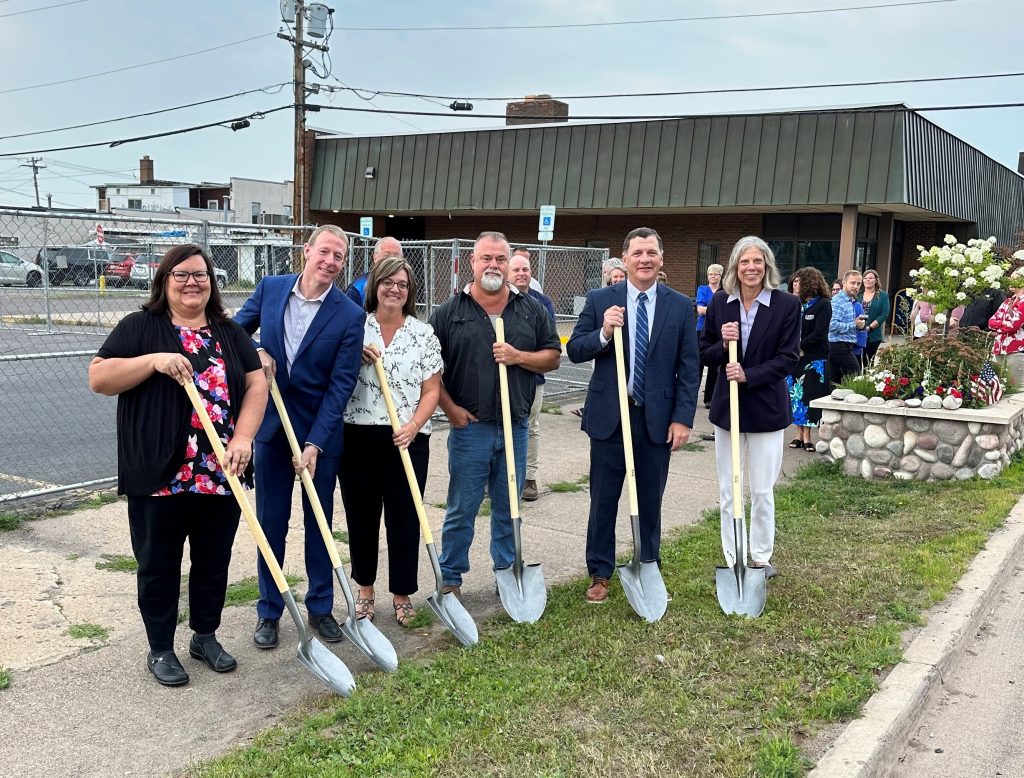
<point>19,271</point>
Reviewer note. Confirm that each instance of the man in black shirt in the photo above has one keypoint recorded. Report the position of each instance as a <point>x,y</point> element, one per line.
<point>470,398</point>
<point>981,310</point>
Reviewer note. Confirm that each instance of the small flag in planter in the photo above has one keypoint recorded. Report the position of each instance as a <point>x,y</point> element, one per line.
<point>987,387</point>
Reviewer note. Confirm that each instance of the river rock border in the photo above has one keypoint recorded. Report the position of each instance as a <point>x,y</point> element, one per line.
<point>887,439</point>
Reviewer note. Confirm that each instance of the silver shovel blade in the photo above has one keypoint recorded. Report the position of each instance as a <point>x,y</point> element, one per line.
<point>523,596</point>
<point>455,617</point>
<point>645,589</point>
<point>326,666</point>
<point>742,593</point>
<point>371,641</point>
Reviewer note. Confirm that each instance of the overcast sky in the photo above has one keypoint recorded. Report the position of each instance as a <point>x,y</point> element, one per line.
<point>78,39</point>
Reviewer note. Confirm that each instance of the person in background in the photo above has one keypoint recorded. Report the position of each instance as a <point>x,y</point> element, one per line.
<point>704,294</point>
<point>385,247</point>
<point>981,310</point>
<point>520,276</point>
<point>837,287</point>
<point>765,321</point>
<point>808,381</point>
<point>311,338</point>
<point>607,266</point>
<point>176,487</point>
<point>372,475</point>
<point>662,277</point>
<point>843,329</point>
<point>1008,324</point>
<point>875,301</point>
<point>616,273</point>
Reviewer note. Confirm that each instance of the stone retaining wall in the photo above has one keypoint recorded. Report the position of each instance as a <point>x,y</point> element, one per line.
<point>878,439</point>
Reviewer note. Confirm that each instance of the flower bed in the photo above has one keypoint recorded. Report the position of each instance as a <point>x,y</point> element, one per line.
<point>878,438</point>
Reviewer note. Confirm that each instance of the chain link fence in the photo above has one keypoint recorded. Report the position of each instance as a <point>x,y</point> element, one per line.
<point>65,282</point>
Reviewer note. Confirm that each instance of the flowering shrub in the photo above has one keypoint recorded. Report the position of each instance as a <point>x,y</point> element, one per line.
<point>956,274</point>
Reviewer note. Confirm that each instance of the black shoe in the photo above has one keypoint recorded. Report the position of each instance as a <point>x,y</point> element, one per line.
<point>166,668</point>
<point>213,653</point>
<point>326,627</point>
<point>265,635</point>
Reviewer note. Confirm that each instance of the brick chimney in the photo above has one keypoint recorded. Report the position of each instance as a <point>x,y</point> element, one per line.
<point>542,107</point>
<point>146,170</point>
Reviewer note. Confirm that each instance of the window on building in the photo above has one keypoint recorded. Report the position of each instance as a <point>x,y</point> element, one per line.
<point>257,209</point>
<point>288,214</point>
<point>707,255</point>
<point>152,191</point>
<point>212,205</point>
<point>136,204</point>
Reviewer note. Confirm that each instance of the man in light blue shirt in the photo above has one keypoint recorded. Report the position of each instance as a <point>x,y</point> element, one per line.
<point>843,329</point>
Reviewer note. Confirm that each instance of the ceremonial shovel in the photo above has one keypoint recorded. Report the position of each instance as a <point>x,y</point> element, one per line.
<point>641,581</point>
<point>742,590</point>
<point>521,587</point>
<point>317,658</point>
<point>447,607</point>
<point>362,632</point>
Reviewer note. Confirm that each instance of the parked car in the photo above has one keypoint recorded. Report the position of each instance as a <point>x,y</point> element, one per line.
<point>14,270</point>
<point>118,272</point>
<point>81,265</point>
<point>144,268</point>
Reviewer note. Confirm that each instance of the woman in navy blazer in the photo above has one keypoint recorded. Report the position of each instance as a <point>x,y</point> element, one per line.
<point>765,322</point>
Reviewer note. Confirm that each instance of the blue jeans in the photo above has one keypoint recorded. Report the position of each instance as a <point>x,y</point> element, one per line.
<point>476,458</point>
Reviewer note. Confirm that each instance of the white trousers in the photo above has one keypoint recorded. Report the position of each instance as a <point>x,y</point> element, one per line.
<point>533,441</point>
<point>764,449</point>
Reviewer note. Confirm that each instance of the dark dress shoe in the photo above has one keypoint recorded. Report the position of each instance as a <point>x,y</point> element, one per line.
<point>265,635</point>
<point>166,668</point>
<point>213,653</point>
<point>326,627</point>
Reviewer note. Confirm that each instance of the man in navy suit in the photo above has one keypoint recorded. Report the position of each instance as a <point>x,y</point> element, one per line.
<point>311,337</point>
<point>662,374</point>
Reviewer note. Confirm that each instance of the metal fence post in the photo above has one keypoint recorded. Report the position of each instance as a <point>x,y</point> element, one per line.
<point>542,264</point>
<point>46,276</point>
<point>455,267</point>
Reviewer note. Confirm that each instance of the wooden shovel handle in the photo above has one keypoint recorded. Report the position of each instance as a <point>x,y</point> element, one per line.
<point>506,427</point>
<point>236,489</point>
<point>410,474</point>
<point>734,439</point>
<point>304,476</point>
<point>627,428</point>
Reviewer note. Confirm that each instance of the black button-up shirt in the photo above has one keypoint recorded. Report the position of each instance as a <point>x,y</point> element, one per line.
<point>467,339</point>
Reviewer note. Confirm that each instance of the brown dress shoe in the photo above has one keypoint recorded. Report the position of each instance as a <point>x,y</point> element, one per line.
<point>530,492</point>
<point>598,591</point>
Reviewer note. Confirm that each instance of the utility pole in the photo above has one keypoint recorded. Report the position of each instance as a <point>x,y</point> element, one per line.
<point>36,167</point>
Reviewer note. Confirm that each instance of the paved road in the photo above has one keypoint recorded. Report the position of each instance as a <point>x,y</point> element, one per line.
<point>80,302</point>
<point>974,726</point>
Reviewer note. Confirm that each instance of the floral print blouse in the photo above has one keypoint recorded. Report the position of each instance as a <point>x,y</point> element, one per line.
<point>201,472</point>
<point>413,356</point>
<point>1008,325</point>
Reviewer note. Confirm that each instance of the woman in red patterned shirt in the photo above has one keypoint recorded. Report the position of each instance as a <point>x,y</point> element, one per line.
<point>1008,325</point>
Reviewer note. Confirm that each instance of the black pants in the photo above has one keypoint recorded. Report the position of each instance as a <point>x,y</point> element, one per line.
<point>159,526</point>
<point>709,383</point>
<point>841,362</point>
<point>870,351</point>
<point>373,478</point>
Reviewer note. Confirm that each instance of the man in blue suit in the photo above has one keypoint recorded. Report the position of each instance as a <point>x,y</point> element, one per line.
<point>662,374</point>
<point>311,337</point>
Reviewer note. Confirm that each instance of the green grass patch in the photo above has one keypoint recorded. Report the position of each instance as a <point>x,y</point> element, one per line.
<point>248,589</point>
<point>340,535</point>
<point>73,556</point>
<point>485,507</point>
<point>691,447</point>
<point>566,486</point>
<point>88,631</point>
<point>424,618</point>
<point>440,505</point>
<point>121,563</point>
<point>553,408</point>
<point>12,521</point>
<point>5,678</point>
<point>100,499</point>
<point>596,691</point>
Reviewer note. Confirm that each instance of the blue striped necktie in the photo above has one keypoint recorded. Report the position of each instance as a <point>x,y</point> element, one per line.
<point>640,353</point>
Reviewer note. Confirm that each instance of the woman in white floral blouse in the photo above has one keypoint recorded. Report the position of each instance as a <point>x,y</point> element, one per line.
<point>372,476</point>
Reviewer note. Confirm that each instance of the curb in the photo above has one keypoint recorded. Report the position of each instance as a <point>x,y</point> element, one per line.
<point>872,744</point>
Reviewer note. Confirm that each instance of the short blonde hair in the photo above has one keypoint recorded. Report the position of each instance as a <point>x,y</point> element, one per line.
<point>730,280</point>
<point>714,268</point>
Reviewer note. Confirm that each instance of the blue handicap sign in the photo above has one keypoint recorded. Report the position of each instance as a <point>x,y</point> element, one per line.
<point>547,221</point>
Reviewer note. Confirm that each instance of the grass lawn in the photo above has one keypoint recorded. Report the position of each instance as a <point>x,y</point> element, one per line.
<point>595,691</point>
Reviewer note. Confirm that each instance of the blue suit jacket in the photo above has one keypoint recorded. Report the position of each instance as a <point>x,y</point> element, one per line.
<point>672,373</point>
<point>323,375</point>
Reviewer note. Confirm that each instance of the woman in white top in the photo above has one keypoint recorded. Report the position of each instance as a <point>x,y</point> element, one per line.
<point>372,477</point>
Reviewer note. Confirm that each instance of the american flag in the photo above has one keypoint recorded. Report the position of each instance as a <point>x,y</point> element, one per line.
<point>988,387</point>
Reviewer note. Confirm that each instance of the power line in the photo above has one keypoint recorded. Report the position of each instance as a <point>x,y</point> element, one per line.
<point>264,89</point>
<point>42,8</point>
<point>715,17</point>
<point>133,67</point>
<point>370,101</point>
<point>680,93</point>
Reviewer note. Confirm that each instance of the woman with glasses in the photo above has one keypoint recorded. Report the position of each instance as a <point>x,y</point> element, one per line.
<point>372,475</point>
<point>176,487</point>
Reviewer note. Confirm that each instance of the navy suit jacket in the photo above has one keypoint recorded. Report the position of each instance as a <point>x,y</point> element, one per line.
<point>323,375</point>
<point>773,348</point>
<point>672,372</point>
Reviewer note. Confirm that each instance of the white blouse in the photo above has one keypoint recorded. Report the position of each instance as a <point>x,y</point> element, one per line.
<point>413,356</point>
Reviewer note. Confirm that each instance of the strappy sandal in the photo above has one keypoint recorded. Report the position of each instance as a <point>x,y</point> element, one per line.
<point>364,608</point>
<point>796,443</point>
<point>808,446</point>
<point>404,612</point>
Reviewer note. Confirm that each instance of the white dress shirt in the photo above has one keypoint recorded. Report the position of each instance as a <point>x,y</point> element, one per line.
<point>747,317</point>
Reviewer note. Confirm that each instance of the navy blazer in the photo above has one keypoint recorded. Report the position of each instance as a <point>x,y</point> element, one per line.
<point>773,348</point>
<point>672,372</point>
<point>323,375</point>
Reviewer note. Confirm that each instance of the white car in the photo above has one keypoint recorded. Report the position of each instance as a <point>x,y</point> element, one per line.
<point>142,274</point>
<point>19,271</point>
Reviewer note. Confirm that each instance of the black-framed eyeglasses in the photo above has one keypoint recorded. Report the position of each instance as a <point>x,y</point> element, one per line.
<point>390,283</point>
<point>182,276</point>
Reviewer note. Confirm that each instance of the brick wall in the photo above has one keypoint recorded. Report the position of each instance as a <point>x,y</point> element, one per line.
<point>916,234</point>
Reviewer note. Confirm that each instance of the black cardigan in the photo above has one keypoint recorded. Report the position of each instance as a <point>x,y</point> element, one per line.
<point>153,418</point>
<point>814,323</point>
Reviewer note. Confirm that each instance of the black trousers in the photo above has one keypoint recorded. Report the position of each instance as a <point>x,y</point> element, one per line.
<point>159,526</point>
<point>709,383</point>
<point>841,362</point>
<point>373,478</point>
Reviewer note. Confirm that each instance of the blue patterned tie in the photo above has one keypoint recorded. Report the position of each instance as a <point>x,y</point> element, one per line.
<point>640,354</point>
